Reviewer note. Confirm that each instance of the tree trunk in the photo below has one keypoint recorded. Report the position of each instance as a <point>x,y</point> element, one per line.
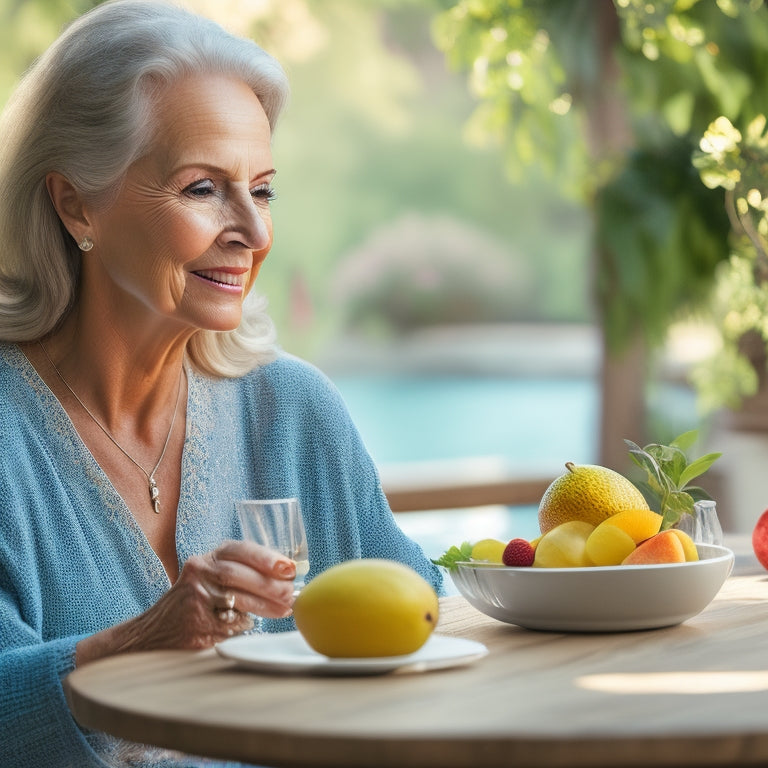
<point>622,407</point>
<point>622,379</point>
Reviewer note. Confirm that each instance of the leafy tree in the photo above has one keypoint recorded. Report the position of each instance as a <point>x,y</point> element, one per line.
<point>615,96</point>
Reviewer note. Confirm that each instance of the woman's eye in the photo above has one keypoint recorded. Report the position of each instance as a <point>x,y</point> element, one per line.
<point>200,188</point>
<point>264,193</point>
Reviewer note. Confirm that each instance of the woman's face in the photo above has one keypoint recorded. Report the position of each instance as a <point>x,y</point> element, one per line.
<point>186,236</point>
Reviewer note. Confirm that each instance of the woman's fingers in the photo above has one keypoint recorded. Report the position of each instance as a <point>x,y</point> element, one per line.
<point>266,561</point>
<point>247,578</point>
<point>260,579</point>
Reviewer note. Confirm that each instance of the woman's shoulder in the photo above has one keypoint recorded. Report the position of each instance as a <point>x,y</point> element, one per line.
<point>292,376</point>
<point>18,382</point>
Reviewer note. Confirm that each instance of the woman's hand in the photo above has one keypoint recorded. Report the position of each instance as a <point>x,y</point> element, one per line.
<point>209,602</point>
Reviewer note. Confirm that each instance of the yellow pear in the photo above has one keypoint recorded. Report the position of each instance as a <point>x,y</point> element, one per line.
<point>366,608</point>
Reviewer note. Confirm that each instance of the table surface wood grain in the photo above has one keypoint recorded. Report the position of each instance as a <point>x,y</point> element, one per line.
<point>691,695</point>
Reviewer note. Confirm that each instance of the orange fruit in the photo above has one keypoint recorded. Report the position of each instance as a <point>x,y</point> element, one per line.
<point>588,493</point>
<point>640,524</point>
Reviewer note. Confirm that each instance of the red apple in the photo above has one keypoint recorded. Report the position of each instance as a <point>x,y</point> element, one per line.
<point>760,539</point>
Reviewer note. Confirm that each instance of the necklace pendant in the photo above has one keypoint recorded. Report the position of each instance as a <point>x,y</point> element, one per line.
<point>154,495</point>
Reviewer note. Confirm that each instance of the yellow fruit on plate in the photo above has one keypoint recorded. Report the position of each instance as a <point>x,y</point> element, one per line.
<point>366,608</point>
<point>489,550</point>
<point>564,546</point>
<point>588,493</point>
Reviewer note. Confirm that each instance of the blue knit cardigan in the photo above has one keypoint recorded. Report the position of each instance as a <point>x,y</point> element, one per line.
<point>73,559</point>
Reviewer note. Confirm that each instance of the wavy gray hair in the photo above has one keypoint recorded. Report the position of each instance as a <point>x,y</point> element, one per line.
<point>85,110</point>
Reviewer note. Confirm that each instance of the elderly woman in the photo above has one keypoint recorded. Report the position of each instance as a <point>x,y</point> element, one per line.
<point>140,389</point>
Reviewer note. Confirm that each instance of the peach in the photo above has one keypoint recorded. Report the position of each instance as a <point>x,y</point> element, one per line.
<point>664,547</point>
<point>640,524</point>
<point>608,545</point>
<point>689,546</point>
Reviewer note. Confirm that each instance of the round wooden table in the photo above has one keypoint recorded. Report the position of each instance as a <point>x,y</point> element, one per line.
<point>691,695</point>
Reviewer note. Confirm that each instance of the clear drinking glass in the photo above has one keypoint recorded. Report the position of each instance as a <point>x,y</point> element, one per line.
<point>703,526</point>
<point>277,524</point>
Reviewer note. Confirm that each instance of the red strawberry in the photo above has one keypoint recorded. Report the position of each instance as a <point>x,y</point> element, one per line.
<point>760,539</point>
<point>518,553</point>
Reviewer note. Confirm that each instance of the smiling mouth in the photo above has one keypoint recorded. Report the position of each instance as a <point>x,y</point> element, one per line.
<point>221,278</point>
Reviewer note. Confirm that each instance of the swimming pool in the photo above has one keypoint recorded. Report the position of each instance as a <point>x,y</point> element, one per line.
<point>528,420</point>
<point>525,422</point>
<point>530,423</point>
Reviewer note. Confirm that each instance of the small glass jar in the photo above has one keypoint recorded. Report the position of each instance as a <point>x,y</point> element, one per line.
<point>703,525</point>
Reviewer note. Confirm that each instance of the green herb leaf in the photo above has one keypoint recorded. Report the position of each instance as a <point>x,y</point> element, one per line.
<point>655,480</point>
<point>454,555</point>
<point>668,475</point>
<point>698,467</point>
<point>686,441</point>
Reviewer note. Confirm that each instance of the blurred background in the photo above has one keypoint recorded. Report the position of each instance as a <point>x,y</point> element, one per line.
<point>515,232</point>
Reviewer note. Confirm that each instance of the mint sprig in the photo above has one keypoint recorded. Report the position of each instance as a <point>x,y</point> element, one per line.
<point>454,555</point>
<point>668,476</point>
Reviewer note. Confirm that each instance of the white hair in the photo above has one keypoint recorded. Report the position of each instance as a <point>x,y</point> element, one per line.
<point>85,110</point>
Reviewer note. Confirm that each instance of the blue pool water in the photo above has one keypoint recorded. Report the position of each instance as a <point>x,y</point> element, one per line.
<point>528,423</point>
<point>407,418</point>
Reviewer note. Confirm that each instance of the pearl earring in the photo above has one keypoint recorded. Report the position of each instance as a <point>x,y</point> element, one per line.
<point>85,244</point>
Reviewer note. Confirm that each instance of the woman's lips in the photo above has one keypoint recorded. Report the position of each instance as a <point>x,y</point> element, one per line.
<point>229,278</point>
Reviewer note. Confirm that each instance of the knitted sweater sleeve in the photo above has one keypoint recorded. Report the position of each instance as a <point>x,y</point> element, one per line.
<point>37,635</point>
<point>36,726</point>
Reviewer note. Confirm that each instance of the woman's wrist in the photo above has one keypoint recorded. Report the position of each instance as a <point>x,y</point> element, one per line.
<point>108,642</point>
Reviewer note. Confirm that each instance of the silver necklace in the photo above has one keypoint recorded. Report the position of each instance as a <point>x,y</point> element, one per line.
<point>154,491</point>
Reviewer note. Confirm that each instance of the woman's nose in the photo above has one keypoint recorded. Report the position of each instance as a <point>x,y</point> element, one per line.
<point>251,225</point>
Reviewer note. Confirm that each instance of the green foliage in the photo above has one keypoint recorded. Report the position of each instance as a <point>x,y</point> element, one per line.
<point>519,77</point>
<point>454,555</point>
<point>688,68</point>
<point>737,162</point>
<point>660,236</point>
<point>669,474</point>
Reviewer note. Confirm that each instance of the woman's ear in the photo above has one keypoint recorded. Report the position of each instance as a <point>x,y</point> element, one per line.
<point>68,204</point>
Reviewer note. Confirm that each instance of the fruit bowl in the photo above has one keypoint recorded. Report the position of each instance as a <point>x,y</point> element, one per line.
<point>597,599</point>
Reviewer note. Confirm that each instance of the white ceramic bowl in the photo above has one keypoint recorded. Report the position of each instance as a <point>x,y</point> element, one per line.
<point>601,599</point>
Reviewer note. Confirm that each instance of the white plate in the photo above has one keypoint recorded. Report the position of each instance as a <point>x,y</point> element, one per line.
<point>600,599</point>
<point>288,652</point>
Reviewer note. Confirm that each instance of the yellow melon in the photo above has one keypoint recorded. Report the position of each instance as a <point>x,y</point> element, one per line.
<point>588,493</point>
